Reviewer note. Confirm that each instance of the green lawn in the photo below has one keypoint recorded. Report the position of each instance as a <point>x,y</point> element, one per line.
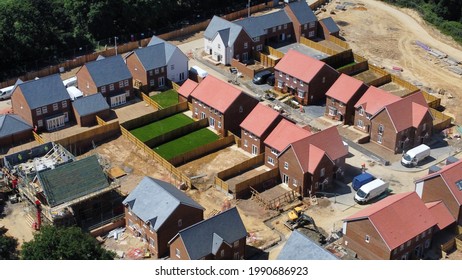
<point>186,143</point>
<point>166,98</point>
<point>155,129</point>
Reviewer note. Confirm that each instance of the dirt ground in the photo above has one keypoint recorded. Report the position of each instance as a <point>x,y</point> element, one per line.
<point>386,37</point>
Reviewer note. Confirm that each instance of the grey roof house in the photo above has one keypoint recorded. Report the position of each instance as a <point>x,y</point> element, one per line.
<point>88,107</point>
<point>329,27</point>
<point>158,61</point>
<point>157,210</point>
<point>220,237</point>
<point>109,76</point>
<point>300,247</point>
<point>43,103</point>
<point>13,130</point>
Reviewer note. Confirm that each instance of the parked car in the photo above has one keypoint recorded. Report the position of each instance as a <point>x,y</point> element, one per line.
<point>270,80</point>
<point>261,77</point>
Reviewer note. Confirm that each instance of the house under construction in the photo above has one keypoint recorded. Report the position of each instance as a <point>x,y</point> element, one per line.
<point>62,190</point>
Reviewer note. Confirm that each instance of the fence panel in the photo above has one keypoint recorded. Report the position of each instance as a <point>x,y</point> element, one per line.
<point>155,116</point>
<point>221,184</point>
<point>243,188</point>
<point>339,59</point>
<point>338,42</point>
<point>311,44</point>
<point>177,133</point>
<point>380,81</point>
<point>201,151</point>
<point>241,167</point>
<point>38,138</point>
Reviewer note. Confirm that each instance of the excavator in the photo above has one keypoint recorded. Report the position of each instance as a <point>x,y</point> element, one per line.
<point>298,219</point>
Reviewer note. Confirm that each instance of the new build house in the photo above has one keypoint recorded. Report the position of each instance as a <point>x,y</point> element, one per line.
<point>184,92</point>
<point>311,163</point>
<point>342,97</point>
<point>43,103</point>
<point>256,127</point>
<point>224,105</point>
<point>280,137</point>
<point>109,76</point>
<point>381,115</point>
<point>156,211</point>
<point>158,61</point>
<point>241,39</point>
<point>444,185</point>
<point>13,130</point>
<point>397,227</point>
<point>305,78</point>
<point>221,237</point>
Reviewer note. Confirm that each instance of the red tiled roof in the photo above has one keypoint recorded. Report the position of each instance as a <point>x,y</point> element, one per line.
<point>397,218</point>
<point>285,133</point>
<point>344,88</point>
<point>216,93</point>
<point>310,150</point>
<point>416,107</point>
<point>441,214</point>
<point>259,119</point>
<point>187,88</point>
<point>300,66</point>
<point>375,99</point>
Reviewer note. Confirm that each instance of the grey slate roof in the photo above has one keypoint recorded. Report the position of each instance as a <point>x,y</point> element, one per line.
<point>157,54</point>
<point>90,104</point>
<point>108,70</point>
<point>11,124</point>
<point>206,237</point>
<point>217,24</point>
<point>44,91</point>
<point>255,26</point>
<point>330,24</point>
<point>302,12</point>
<point>300,247</point>
<point>73,180</point>
<point>154,201</point>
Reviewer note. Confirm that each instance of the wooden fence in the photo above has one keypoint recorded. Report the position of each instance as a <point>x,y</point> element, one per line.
<point>339,59</point>
<point>241,167</point>
<point>177,133</point>
<point>154,116</point>
<point>242,189</point>
<point>38,138</point>
<point>318,4</point>
<point>222,185</point>
<point>151,102</point>
<point>354,69</point>
<point>266,60</point>
<point>311,44</point>
<point>177,174</point>
<point>380,81</point>
<point>201,151</point>
<point>175,86</point>
<point>338,42</point>
<point>440,120</point>
<point>81,142</point>
<point>276,203</point>
<point>432,101</point>
<point>100,121</point>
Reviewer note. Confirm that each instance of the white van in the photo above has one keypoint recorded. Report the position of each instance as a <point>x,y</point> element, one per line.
<point>415,155</point>
<point>371,190</point>
<point>5,93</point>
<point>71,82</point>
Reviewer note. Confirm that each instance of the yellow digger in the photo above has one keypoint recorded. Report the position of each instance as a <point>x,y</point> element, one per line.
<point>299,219</point>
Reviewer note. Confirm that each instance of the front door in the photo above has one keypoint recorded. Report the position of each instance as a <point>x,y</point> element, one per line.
<point>254,150</point>
<point>55,123</point>
<point>285,179</point>
<point>212,122</point>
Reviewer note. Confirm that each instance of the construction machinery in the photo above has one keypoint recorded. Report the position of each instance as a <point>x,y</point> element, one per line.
<point>298,219</point>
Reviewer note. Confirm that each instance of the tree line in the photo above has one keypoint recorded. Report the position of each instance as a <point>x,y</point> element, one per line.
<point>36,33</point>
<point>446,15</point>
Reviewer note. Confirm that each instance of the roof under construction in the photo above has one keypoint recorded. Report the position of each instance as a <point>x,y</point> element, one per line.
<point>73,180</point>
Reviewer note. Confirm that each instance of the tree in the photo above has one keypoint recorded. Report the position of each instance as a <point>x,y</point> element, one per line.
<point>64,243</point>
<point>8,246</point>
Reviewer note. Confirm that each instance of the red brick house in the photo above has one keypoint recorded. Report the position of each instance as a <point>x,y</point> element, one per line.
<point>282,136</point>
<point>221,237</point>
<point>224,105</point>
<point>446,186</point>
<point>184,92</point>
<point>303,19</point>
<point>88,107</point>
<point>313,162</point>
<point>342,97</point>
<point>43,103</point>
<point>110,77</point>
<point>158,61</point>
<point>399,124</point>
<point>305,78</point>
<point>156,211</point>
<point>256,127</point>
<point>13,131</point>
<point>397,227</point>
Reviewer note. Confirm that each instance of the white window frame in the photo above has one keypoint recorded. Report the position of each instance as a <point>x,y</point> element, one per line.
<point>322,173</point>
<point>246,144</point>
<point>286,165</point>
<point>270,160</point>
<point>312,24</point>
<point>152,82</point>
<point>126,83</point>
<point>246,45</point>
<point>285,25</point>
<point>301,93</point>
<point>274,152</point>
<point>152,242</point>
<point>64,104</point>
<point>38,111</point>
<point>172,67</point>
<point>121,84</point>
<point>55,107</point>
<point>177,253</point>
<point>156,71</point>
<point>103,89</point>
<point>40,123</point>
<point>367,238</point>
<point>111,87</point>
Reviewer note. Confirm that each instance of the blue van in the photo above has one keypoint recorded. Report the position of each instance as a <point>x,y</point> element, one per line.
<point>361,180</point>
